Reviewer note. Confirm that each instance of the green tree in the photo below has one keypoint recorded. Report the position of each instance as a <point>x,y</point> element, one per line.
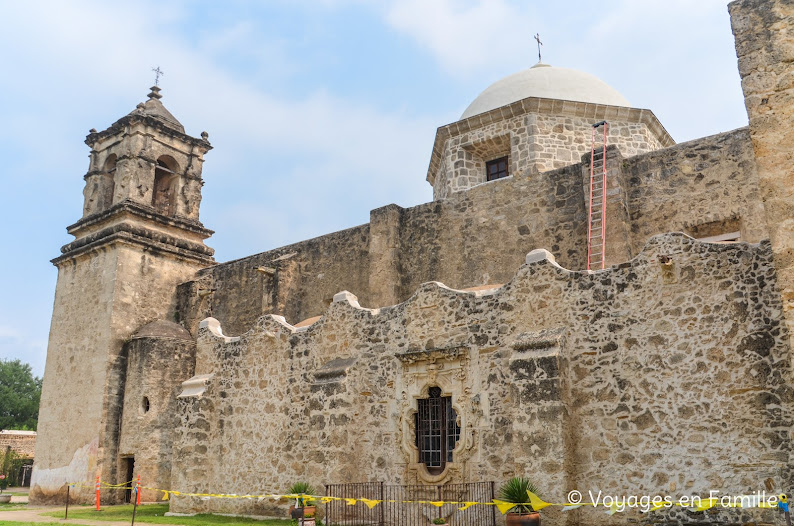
<point>20,392</point>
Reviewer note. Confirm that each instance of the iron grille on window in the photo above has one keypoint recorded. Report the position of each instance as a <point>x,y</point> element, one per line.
<point>437,430</point>
<point>496,169</point>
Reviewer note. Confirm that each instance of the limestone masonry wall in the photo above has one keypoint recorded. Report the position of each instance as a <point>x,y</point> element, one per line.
<point>665,373</point>
<point>296,281</point>
<point>102,298</point>
<point>156,368</point>
<point>480,236</point>
<point>703,183</point>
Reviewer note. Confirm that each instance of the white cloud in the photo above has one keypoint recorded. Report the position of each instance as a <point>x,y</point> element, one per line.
<point>466,36</point>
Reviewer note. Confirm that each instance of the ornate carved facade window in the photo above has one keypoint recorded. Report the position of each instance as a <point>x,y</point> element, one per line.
<point>437,430</point>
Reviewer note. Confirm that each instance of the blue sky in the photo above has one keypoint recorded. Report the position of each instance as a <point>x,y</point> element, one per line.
<point>319,110</point>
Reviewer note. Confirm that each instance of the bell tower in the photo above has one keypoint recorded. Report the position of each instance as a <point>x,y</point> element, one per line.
<point>138,238</point>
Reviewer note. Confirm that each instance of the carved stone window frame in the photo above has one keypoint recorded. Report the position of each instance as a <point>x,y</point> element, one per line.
<point>446,369</point>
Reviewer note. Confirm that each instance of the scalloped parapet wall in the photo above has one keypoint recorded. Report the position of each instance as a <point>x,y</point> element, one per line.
<point>613,379</point>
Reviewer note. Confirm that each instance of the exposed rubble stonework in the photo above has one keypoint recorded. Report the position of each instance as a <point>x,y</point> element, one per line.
<point>667,373</point>
<point>617,380</point>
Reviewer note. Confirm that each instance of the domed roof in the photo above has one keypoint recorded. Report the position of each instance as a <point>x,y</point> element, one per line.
<point>544,81</point>
<point>155,109</point>
<point>163,329</point>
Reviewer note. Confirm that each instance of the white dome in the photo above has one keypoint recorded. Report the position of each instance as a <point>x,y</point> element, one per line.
<point>542,80</point>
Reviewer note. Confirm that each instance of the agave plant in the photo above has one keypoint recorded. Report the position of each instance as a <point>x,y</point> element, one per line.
<point>515,492</point>
<point>301,488</point>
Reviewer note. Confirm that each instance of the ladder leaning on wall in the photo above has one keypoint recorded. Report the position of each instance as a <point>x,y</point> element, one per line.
<point>596,223</point>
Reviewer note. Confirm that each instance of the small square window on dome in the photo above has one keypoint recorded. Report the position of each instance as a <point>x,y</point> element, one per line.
<point>496,169</point>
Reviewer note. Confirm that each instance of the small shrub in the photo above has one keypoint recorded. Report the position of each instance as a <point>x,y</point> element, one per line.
<point>515,491</point>
<point>301,488</point>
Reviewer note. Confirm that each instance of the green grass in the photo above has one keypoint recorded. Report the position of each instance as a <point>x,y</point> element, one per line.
<point>155,513</point>
<point>15,523</point>
<point>12,505</point>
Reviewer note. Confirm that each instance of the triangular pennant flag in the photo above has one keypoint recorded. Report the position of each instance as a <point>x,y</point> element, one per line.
<point>653,508</point>
<point>569,507</point>
<point>370,503</point>
<point>503,506</point>
<point>467,505</point>
<point>537,503</point>
<point>705,504</point>
<point>351,502</point>
<point>613,509</point>
<point>165,495</point>
<point>326,500</point>
<point>437,503</point>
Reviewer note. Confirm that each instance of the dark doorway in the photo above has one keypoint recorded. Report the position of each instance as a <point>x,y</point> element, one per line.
<point>129,472</point>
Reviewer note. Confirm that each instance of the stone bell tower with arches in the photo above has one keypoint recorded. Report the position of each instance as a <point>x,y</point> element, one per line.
<point>138,238</point>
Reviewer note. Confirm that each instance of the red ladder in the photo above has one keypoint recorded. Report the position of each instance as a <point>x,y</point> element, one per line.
<point>596,224</point>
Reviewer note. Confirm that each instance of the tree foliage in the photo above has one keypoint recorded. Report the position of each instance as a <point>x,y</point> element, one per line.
<point>20,392</point>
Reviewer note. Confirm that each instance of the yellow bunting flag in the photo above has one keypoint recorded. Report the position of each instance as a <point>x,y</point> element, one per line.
<point>705,504</point>
<point>503,506</point>
<point>653,508</point>
<point>165,495</point>
<point>537,503</point>
<point>467,505</point>
<point>437,503</point>
<point>351,502</point>
<point>370,503</point>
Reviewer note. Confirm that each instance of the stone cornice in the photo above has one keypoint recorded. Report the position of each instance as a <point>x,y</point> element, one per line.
<point>142,211</point>
<point>432,355</point>
<point>141,237</point>
<point>592,111</point>
<point>134,223</point>
<point>129,120</point>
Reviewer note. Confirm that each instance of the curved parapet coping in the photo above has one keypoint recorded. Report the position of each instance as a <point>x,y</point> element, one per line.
<point>308,322</point>
<point>214,327</point>
<point>541,254</point>
<point>659,249</point>
<point>196,386</point>
<point>347,297</point>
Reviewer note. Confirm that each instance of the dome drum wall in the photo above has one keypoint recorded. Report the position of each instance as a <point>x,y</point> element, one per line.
<point>536,135</point>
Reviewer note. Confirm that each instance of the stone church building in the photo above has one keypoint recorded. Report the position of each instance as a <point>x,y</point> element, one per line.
<point>460,340</point>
